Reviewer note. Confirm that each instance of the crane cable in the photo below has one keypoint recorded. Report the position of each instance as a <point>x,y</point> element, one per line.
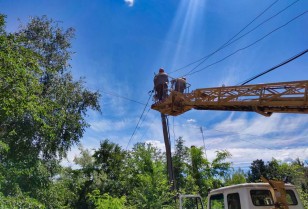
<point>227,43</point>
<point>275,67</point>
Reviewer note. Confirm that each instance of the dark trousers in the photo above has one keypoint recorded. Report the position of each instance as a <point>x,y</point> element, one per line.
<point>161,91</point>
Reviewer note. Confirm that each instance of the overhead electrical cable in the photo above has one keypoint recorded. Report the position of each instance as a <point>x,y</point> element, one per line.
<point>174,137</point>
<point>245,34</point>
<point>119,96</point>
<point>226,44</point>
<point>275,67</point>
<point>144,118</point>
<point>139,120</point>
<point>243,48</point>
<point>253,20</point>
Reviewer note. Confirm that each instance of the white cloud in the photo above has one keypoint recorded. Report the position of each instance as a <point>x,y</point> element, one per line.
<point>259,125</point>
<point>191,121</point>
<point>129,2</point>
<point>246,156</point>
<point>69,160</point>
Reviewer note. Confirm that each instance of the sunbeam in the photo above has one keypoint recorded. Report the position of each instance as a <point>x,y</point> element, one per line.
<point>186,25</point>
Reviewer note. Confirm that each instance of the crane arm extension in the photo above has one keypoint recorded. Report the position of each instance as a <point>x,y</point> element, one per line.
<point>283,97</point>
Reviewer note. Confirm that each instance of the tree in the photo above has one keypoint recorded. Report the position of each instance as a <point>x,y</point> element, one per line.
<point>105,201</point>
<point>85,179</point>
<point>148,185</point>
<point>110,160</point>
<point>42,108</point>
<point>64,102</point>
<point>20,201</point>
<point>200,171</point>
<point>180,159</point>
<point>257,169</point>
<point>237,177</point>
<point>219,167</point>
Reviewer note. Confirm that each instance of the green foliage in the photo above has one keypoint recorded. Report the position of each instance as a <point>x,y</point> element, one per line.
<point>86,179</point>
<point>257,169</point>
<point>148,184</point>
<point>180,159</point>
<point>110,158</point>
<point>185,182</point>
<point>237,177</point>
<point>304,197</point>
<point>106,201</point>
<point>45,37</point>
<point>40,91</point>
<point>2,23</point>
<point>42,110</point>
<point>110,161</point>
<point>17,202</point>
<point>194,174</point>
<point>85,160</point>
<point>276,170</point>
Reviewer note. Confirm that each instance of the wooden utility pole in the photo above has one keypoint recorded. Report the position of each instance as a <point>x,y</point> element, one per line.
<point>168,151</point>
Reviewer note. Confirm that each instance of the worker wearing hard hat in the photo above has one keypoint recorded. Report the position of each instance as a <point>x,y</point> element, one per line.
<point>179,84</point>
<point>161,84</point>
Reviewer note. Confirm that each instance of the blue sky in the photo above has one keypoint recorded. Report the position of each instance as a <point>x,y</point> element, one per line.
<point>120,44</point>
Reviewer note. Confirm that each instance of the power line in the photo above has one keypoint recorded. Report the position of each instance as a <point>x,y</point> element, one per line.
<point>275,67</point>
<point>173,132</point>
<point>231,42</point>
<point>122,97</point>
<point>145,116</point>
<point>243,48</point>
<point>139,120</point>
<point>254,20</point>
<point>225,44</point>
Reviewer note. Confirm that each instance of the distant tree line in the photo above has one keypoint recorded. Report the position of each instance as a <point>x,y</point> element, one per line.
<point>42,115</point>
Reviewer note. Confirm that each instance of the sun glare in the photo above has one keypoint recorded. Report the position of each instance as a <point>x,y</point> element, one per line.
<point>183,31</point>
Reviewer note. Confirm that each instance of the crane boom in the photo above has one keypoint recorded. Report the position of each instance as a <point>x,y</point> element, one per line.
<point>265,99</point>
<point>283,97</point>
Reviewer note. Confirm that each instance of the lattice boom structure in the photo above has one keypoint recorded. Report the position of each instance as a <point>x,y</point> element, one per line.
<point>283,97</point>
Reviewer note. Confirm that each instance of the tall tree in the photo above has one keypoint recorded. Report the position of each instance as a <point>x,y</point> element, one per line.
<point>110,160</point>
<point>180,159</point>
<point>236,177</point>
<point>147,178</point>
<point>63,100</point>
<point>42,108</point>
<point>257,169</point>
<point>208,175</point>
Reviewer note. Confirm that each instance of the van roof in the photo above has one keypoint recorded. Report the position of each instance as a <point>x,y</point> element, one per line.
<point>247,185</point>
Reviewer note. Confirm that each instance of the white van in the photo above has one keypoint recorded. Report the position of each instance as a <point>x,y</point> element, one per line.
<point>251,196</point>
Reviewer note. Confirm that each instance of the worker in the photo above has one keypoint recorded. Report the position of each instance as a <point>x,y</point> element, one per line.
<point>161,84</point>
<point>179,84</point>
